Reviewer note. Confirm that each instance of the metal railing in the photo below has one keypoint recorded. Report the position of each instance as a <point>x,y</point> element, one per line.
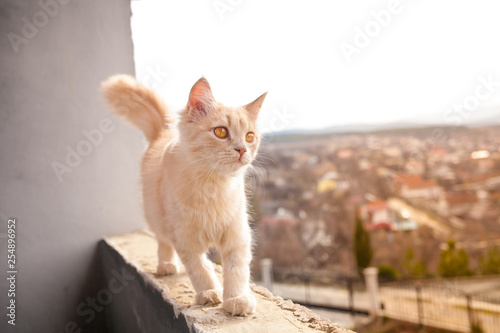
<point>434,303</point>
<point>336,293</point>
<point>441,306</point>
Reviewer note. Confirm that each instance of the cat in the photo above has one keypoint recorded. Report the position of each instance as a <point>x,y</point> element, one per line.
<point>193,185</point>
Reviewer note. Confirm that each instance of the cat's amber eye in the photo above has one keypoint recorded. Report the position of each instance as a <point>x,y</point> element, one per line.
<point>250,137</point>
<point>221,132</point>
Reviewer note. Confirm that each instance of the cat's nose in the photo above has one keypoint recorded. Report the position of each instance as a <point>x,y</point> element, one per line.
<point>241,150</point>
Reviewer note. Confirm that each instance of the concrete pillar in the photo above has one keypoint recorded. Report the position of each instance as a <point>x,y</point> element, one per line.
<point>266,267</point>
<point>371,280</point>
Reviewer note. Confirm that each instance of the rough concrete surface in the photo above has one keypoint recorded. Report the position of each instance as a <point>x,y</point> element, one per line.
<point>274,314</point>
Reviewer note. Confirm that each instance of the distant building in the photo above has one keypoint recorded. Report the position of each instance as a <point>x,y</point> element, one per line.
<point>444,172</point>
<point>365,164</point>
<point>480,154</point>
<point>392,151</point>
<point>415,167</point>
<point>377,215</point>
<point>345,153</point>
<point>415,187</point>
<point>404,225</point>
<point>485,164</point>
<point>332,181</point>
<point>457,203</point>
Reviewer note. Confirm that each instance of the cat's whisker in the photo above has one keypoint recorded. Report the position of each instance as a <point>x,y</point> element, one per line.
<point>267,158</point>
<point>250,187</point>
<point>255,172</point>
<point>263,168</point>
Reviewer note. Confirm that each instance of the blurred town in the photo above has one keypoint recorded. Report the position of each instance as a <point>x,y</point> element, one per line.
<point>417,192</point>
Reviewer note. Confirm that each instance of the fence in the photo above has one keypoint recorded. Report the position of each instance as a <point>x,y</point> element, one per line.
<point>433,303</point>
<point>441,306</point>
<point>338,293</point>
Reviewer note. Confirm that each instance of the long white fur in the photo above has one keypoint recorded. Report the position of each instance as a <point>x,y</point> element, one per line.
<point>193,185</point>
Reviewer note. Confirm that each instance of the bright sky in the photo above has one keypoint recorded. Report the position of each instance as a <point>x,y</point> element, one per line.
<point>419,62</point>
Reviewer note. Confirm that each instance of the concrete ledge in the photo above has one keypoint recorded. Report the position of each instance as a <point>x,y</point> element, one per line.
<point>149,303</point>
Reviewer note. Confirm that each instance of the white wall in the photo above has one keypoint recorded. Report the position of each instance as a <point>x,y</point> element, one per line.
<point>49,94</point>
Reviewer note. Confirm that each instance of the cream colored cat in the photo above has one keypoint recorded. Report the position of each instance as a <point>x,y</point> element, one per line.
<point>193,185</point>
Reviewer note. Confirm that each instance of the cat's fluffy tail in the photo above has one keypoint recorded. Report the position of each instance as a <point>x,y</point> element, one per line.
<point>137,104</point>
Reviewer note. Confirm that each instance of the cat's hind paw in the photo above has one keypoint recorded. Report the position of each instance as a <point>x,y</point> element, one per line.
<point>242,305</point>
<point>167,268</point>
<point>209,297</point>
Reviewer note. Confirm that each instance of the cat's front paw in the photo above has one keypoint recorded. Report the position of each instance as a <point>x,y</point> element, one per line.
<point>209,297</point>
<point>242,305</point>
<point>167,268</point>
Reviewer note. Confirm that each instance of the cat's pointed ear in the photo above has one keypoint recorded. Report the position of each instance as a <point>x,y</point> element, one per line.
<point>201,98</point>
<point>254,107</point>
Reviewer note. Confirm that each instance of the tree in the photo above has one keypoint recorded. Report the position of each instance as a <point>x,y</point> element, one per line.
<point>454,263</point>
<point>412,267</point>
<point>362,246</point>
<point>388,273</point>
<point>491,264</point>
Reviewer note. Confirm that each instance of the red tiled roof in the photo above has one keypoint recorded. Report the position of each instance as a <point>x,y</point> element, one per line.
<point>380,225</point>
<point>460,198</point>
<point>438,152</point>
<point>414,182</point>
<point>376,205</point>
